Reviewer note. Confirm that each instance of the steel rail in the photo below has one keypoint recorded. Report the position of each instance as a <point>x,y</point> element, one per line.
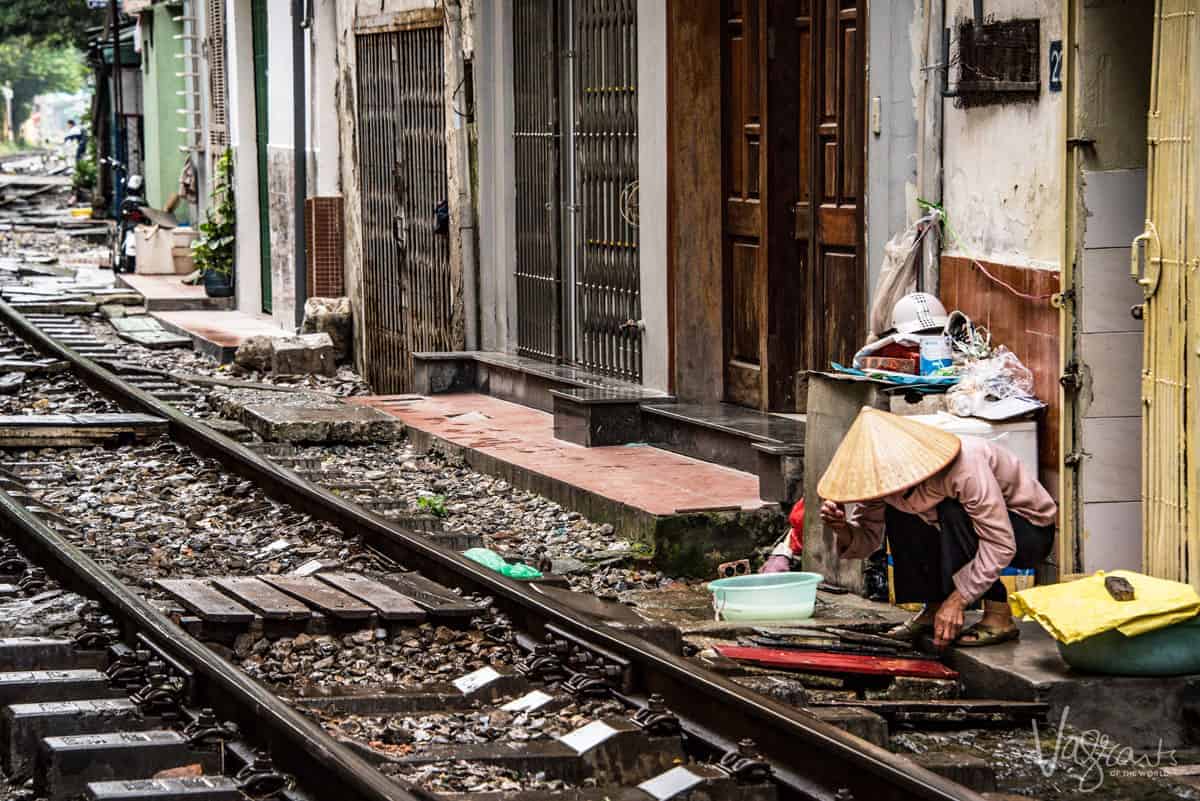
<point>297,745</point>
<point>818,760</point>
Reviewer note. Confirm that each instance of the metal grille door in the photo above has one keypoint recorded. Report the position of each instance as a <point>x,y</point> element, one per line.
<point>577,270</point>
<point>537,160</point>
<point>408,289</point>
<point>607,279</point>
<point>1166,268</point>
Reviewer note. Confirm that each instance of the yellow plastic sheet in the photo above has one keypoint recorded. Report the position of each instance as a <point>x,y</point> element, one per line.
<point>1076,610</point>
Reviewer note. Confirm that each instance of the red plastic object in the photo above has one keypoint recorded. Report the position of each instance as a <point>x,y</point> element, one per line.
<point>829,662</point>
<point>796,520</point>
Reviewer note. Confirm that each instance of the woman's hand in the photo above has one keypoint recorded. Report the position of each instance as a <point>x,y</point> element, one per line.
<point>834,516</point>
<point>948,621</point>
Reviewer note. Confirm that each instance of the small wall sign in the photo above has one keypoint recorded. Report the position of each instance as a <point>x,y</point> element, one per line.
<point>1056,65</point>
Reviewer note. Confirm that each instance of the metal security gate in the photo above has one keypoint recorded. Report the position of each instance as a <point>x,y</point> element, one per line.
<point>1166,258</point>
<point>537,149</point>
<point>577,271</point>
<point>408,288</point>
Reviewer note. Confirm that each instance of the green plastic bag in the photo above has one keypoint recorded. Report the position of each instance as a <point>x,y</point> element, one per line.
<point>495,562</point>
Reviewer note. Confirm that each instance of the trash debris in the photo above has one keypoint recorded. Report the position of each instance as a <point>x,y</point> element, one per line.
<point>494,561</point>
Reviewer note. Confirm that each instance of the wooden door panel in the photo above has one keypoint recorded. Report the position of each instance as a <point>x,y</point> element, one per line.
<point>837,283</point>
<point>841,330</point>
<point>745,255</point>
<point>746,307</point>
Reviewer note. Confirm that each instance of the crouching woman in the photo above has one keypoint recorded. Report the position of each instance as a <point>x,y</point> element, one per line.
<point>955,512</point>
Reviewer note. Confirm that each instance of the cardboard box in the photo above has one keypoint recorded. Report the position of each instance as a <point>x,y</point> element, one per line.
<point>163,252</point>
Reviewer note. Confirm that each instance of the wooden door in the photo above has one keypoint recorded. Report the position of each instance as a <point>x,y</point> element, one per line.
<point>745,258</point>
<point>793,294</point>
<point>829,215</point>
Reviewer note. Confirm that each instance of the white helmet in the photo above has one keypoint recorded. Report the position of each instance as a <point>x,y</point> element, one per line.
<point>918,311</point>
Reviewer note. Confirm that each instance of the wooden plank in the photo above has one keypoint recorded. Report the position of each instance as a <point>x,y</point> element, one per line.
<point>961,712</point>
<point>33,366</point>
<point>836,663</point>
<point>437,600</point>
<point>390,604</point>
<point>15,179</point>
<point>201,599</point>
<point>49,430</point>
<point>265,600</point>
<point>320,595</point>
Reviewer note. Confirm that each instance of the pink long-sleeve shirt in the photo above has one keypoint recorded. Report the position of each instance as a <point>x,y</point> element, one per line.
<point>989,481</point>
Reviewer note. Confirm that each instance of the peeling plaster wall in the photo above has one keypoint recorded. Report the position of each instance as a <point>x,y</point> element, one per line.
<point>281,153</point>
<point>1003,170</point>
<point>239,56</point>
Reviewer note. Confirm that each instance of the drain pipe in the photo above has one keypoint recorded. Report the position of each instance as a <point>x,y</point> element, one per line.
<point>300,23</point>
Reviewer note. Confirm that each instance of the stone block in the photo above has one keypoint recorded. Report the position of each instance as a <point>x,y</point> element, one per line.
<point>334,423</point>
<point>330,316</point>
<point>857,721</point>
<point>254,354</point>
<point>306,354</point>
<point>912,688</point>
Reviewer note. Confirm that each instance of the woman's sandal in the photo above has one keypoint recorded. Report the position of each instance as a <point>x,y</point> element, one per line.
<point>979,635</point>
<point>909,630</point>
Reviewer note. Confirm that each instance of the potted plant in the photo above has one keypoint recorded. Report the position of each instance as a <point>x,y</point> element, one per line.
<point>213,250</point>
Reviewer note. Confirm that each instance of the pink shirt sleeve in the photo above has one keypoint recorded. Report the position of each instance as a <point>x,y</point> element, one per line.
<point>866,530</point>
<point>975,486</point>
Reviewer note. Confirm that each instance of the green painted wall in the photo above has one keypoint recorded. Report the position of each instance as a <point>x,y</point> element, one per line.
<point>161,62</point>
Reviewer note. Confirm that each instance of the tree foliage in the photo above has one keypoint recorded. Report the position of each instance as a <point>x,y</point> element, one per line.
<point>32,67</point>
<point>50,22</point>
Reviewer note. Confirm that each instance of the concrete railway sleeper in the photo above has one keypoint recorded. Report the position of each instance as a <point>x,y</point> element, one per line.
<point>645,723</point>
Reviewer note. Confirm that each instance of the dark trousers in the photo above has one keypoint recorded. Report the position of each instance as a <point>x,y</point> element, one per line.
<point>924,559</point>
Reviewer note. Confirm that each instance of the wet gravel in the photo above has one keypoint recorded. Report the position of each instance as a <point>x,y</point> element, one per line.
<point>466,777</point>
<point>411,657</point>
<point>412,734</point>
<point>156,510</point>
<point>1025,764</point>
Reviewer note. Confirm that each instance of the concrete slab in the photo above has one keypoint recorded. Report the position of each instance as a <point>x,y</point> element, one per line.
<point>169,293</point>
<point>334,422</point>
<point>149,333</point>
<point>1134,712</point>
<point>217,334</point>
<point>693,514</point>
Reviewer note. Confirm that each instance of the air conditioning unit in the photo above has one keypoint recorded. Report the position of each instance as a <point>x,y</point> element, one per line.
<point>324,236</point>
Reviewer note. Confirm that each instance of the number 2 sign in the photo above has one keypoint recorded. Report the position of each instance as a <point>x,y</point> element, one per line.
<point>1056,65</point>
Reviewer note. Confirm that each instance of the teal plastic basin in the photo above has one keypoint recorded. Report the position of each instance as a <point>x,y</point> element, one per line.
<point>765,596</point>
<point>1170,651</point>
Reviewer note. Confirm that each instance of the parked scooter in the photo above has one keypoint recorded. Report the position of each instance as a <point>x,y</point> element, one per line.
<point>130,215</point>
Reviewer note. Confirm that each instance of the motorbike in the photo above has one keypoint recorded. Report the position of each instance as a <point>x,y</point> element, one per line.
<point>130,215</point>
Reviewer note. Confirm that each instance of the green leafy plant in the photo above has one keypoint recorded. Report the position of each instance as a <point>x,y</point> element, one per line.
<point>213,250</point>
<point>432,504</point>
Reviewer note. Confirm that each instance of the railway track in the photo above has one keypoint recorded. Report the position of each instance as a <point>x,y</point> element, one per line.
<point>620,716</point>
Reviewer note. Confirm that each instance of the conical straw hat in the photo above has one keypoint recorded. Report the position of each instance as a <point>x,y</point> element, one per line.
<point>883,454</point>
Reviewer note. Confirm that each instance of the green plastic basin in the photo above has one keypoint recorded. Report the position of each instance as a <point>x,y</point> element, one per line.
<point>1170,651</point>
<point>765,596</point>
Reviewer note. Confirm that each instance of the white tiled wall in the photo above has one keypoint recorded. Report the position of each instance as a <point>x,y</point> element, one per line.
<point>1111,347</point>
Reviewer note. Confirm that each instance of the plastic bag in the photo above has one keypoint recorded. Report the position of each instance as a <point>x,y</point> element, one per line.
<point>495,562</point>
<point>905,254</point>
<point>982,381</point>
